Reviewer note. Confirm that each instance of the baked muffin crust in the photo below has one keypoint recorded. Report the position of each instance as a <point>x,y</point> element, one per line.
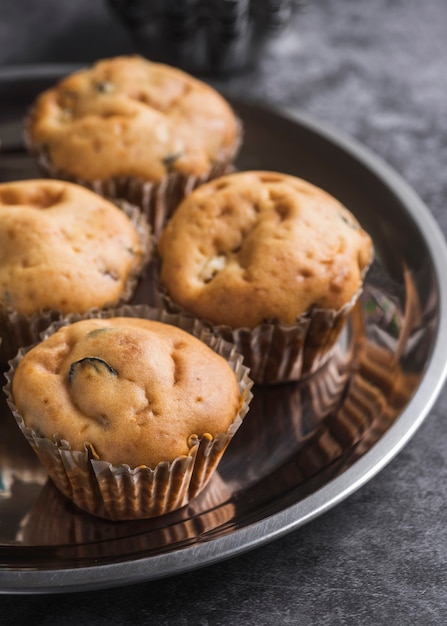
<point>137,391</point>
<point>63,247</point>
<point>127,116</point>
<point>255,246</point>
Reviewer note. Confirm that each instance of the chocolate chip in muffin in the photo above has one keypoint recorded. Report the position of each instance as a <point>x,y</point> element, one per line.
<point>99,366</point>
<point>105,86</point>
<point>171,159</point>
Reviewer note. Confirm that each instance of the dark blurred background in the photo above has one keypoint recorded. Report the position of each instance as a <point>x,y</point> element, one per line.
<point>58,31</point>
<point>202,36</point>
<point>375,70</point>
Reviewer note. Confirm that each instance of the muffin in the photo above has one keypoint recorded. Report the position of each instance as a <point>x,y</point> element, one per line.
<point>272,262</point>
<point>64,249</point>
<point>130,128</point>
<point>129,415</point>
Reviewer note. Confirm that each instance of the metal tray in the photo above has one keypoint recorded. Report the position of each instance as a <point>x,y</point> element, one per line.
<point>303,447</point>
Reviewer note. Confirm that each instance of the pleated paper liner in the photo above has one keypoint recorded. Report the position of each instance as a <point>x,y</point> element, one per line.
<point>55,521</point>
<point>121,492</point>
<point>18,329</point>
<point>276,352</point>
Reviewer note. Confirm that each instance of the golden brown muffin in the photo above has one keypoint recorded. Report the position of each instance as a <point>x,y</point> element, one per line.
<point>130,416</point>
<point>128,119</point>
<point>63,247</point>
<point>254,246</point>
<point>259,247</point>
<point>138,391</point>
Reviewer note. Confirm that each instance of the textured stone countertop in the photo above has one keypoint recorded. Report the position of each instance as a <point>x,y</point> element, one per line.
<point>377,71</point>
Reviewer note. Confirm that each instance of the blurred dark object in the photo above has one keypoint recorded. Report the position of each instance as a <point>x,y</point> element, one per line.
<point>205,36</point>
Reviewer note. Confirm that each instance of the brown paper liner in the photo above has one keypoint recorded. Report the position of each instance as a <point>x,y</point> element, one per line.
<point>121,492</point>
<point>276,352</point>
<point>54,521</point>
<point>18,330</point>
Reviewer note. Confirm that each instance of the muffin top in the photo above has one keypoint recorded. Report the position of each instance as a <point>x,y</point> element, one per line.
<point>137,391</point>
<point>127,116</point>
<point>63,247</point>
<point>256,246</point>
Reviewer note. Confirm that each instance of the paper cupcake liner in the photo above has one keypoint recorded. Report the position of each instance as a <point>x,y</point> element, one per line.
<point>54,521</point>
<point>156,199</point>
<point>121,492</point>
<point>18,329</point>
<point>276,352</point>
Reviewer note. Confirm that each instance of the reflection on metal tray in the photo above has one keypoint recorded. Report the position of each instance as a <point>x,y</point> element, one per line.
<point>303,446</point>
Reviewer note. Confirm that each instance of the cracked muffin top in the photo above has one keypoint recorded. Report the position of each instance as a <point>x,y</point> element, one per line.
<point>127,116</point>
<point>64,248</point>
<point>137,391</point>
<point>256,246</point>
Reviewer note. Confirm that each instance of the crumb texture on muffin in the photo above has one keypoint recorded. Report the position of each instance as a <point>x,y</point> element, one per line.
<point>127,116</point>
<point>255,246</point>
<point>139,392</point>
<point>63,248</point>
